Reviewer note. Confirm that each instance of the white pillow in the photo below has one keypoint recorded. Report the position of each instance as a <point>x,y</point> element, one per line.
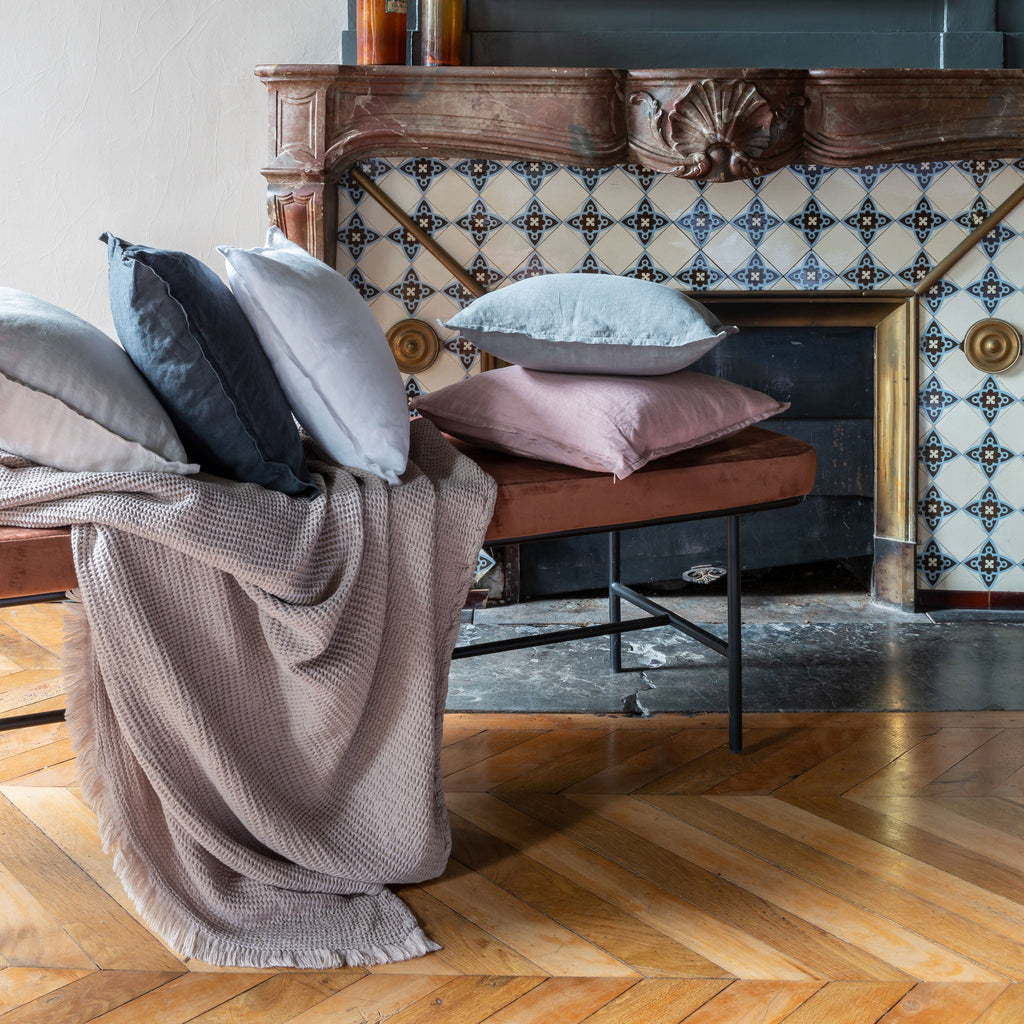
<point>591,323</point>
<point>328,351</point>
<point>71,398</point>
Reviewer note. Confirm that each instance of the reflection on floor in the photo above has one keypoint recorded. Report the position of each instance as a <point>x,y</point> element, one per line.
<point>812,640</point>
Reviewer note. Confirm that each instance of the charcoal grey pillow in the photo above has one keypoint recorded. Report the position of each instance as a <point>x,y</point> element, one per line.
<point>186,332</point>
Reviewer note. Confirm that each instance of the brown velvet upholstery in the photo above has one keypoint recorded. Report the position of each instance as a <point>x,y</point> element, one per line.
<point>753,467</point>
<point>35,561</point>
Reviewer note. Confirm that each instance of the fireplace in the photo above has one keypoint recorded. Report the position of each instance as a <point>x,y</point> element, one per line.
<point>826,206</point>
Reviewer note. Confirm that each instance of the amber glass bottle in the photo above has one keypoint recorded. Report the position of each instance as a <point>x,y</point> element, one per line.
<point>441,30</point>
<point>380,31</point>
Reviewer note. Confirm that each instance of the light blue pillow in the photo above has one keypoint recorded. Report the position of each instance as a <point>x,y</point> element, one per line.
<point>591,323</point>
<point>183,329</point>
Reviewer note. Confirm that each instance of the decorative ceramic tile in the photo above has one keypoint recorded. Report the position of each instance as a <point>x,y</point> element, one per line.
<point>804,228</point>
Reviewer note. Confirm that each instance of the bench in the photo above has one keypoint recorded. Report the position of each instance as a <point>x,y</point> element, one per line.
<point>751,471</point>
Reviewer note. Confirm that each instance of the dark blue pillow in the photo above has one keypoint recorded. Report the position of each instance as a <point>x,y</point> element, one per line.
<point>188,336</point>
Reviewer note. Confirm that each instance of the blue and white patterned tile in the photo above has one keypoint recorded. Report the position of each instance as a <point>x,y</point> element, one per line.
<point>729,249</point>
<point>838,248</point>
<point>785,194</point>
<point>811,274</point>
<point>933,564</point>
<point>960,535</point>
<point>562,249</point>
<point>896,193</point>
<point>840,193</point>
<point>673,196</point>
<point>506,249</point>
<point>672,250</point>
<point>961,479</point>
<point>616,247</point>
<point>784,249</point>
<point>563,194</point>
<point>618,194</point>
<point>988,564</point>
<point>952,192</point>
<point>896,249</point>
<point>701,275</point>
<point>506,194</point>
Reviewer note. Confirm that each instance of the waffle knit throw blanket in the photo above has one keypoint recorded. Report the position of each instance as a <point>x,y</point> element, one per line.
<point>257,699</point>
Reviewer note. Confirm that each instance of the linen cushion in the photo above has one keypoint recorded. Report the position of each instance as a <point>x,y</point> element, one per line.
<point>609,424</point>
<point>329,352</point>
<point>184,330</point>
<point>591,323</point>
<point>70,397</point>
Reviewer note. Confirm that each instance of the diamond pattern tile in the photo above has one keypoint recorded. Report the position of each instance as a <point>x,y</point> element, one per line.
<point>804,228</point>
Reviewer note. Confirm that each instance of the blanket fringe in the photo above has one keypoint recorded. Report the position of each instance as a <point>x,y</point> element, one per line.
<point>185,937</point>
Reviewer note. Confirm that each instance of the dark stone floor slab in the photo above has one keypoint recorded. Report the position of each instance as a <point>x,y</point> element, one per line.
<point>916,665</point>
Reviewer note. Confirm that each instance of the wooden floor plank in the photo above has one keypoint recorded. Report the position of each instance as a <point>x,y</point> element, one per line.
<point>1008,1007</point>
<point>938,752</point>
<point>898,949</point>
<point>565,1000</point>
<point>652,763</point>
<point>371,998</point>
<point>87,998</point>
<point>970,865</point>
<point>466,947</point>
<point>935,1003</point>
<point>19,985</point>
<point>30,935</point>
<point>763,1002</point>
<point>941,821</point>
<point>554,948</point>
<point>735,950</point>
<point>182,999</point>
<point>918,914</point>
<point>280,998</point>
<point>988,911</point>
<point>649,952</point>
<point>42,623</point>
<point>464,1001</point>
<point>852,1002</point>
<point>657,1001</point>
<point>103,929</point>
<point>814,949</point>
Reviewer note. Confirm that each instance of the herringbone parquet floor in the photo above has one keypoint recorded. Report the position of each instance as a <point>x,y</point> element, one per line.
<point>845,869</point>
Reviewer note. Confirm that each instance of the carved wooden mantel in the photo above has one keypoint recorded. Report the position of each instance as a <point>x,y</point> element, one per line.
<point>708,124</point>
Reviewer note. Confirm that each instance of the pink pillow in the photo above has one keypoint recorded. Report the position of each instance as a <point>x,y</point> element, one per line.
<point>603,423</point>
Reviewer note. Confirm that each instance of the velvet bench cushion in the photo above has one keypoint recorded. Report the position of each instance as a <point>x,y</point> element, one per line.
<point>752,467</point>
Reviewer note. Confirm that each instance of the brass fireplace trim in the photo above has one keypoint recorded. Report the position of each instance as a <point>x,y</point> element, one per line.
<point>894,317</point>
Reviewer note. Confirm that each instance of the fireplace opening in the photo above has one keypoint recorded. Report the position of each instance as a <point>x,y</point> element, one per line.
<point>847,365</point>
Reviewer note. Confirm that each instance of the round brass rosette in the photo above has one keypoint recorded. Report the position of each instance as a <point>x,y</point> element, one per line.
<point>414,344</point>
<point>992,345</point>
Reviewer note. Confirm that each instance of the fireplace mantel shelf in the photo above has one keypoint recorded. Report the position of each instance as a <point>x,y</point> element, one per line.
<point>708,124</point>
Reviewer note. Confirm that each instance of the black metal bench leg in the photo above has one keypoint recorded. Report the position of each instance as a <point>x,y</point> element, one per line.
<point>734,630</point>
<point>614,601</point>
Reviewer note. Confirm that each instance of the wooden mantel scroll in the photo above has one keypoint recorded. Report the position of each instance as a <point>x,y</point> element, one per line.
<point>708,124</point>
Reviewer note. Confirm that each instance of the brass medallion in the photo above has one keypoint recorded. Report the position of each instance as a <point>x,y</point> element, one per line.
<point>992,345</point>
<point>414,344</point>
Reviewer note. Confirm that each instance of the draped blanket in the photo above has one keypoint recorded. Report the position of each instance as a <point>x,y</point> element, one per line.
<point>257,696</point>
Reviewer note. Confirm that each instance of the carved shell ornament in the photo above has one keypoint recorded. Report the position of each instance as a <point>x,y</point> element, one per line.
<point>719,129</point>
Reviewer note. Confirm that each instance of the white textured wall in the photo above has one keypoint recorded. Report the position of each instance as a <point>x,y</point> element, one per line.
<point>142,117</point>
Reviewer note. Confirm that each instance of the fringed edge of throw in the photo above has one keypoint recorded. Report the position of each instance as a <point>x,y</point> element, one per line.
<point>185,937</point>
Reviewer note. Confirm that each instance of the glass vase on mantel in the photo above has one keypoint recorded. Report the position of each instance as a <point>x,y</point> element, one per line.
<point>380,31</point>
<point>441,31</point>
